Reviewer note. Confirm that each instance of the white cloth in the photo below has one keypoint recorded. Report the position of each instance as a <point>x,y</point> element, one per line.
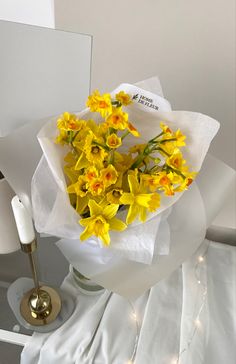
<point>102,331</point>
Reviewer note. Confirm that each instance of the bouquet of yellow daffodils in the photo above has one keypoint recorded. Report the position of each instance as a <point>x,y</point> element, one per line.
<point>104,176</point>
<point>115,175</point>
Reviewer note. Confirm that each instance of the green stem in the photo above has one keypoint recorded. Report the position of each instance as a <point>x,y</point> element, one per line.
<point>125,135</point>
<point>116,103</point>
<point>101,145</point>
<point>75,136</point>
<point>154,139</point>
<point>111,157</point>
<point>141,157</point>
<point>166,166</point>
<point>163,151</point>
<point>73,148</point>
<point>167,140</point>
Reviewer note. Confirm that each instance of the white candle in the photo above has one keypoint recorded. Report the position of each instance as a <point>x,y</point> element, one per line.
<point>9,241</point>
<point>23,220</point>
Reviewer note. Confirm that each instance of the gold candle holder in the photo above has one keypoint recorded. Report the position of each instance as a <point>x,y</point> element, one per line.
<point>42,304</point>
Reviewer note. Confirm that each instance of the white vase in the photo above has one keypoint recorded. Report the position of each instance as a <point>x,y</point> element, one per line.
<point>86,285</point>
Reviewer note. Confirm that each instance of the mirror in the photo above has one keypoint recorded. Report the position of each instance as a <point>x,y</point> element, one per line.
<point>42,73</point>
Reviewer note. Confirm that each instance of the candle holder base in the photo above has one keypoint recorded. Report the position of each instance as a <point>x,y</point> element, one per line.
<point>18,295</point>
<point>40,307</point>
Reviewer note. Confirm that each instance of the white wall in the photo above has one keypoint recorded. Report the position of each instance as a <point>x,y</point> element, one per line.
<point>190,44</point>
<point>34,12</point>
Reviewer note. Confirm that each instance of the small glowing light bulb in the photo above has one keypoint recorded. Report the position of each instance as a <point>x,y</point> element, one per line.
<point>130,362</point>
<point>199,282</point>
<point>200,259</point>
<point>197,323</point>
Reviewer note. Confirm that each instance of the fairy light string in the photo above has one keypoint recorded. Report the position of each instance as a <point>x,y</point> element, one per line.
<point>134,317</point>
<point>196,321</point>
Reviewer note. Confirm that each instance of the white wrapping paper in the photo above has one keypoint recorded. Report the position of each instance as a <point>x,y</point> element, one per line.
<point>53,213</point>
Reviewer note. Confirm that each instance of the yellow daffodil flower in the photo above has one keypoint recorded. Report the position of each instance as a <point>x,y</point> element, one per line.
<point>151,181</point>
<point>95,154</point>
<point>180,138</point>
<point>176,160</point>
<point>186,182</point>
<point>123,98</point>
<point>108,175</point>
<point>91,173</point>
<point>133,130</point>
<point>165,182</point>
<point>96,187</point>
<point>139,200</point>
<point>100,103</point>
<point>114,196</point>
<point>165,128</point>
<point>62,138</point>
<point>170,142</point>
<point>80,188</point>
<point>101,220</point>
<point>69,122</point>
<point>118,119</point>
<point>113,141</point>
<point>167,148</point>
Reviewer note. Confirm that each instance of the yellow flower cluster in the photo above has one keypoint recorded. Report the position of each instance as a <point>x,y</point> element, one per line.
<point>102,179</point>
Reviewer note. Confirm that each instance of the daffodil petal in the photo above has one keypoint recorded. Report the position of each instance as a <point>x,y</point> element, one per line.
<point>143,199</point>
<point>81,204</point>
<point>71,174</point>
<point>71,189</point>
<point>133,184</point>
<point>86,221</point>
<point>133,130</point>
<point>127,198</point>
<point>132,213</point>
<point>106,239</point>
<point>143,214</point>
<point>116,224</point>
<point>82,162</point>
<point>86,234</point>
<point>154,203</point>
<point>110,211</point>
<point>94,208</point>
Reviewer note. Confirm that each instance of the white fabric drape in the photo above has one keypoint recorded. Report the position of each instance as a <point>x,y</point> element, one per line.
<point>190,315</point>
